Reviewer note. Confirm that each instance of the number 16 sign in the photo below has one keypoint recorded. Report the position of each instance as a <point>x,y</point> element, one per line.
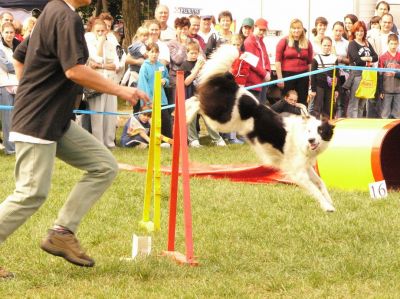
<point>378,190</point>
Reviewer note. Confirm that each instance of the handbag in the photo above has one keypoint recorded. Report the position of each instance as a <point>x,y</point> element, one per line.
<point>367,87</point>
<point>90,93</point>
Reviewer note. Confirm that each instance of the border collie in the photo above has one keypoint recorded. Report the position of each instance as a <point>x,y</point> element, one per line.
<point>290,143</point>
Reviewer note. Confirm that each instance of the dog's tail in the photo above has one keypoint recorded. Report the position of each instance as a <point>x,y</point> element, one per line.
<point>220,62</point>
<point>192,107</point>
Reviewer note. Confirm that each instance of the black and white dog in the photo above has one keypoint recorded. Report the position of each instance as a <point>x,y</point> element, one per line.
<point>289,143</point>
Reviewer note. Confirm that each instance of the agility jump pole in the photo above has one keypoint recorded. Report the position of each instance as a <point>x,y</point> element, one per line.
<point>180,147</point>
<point>333,93</point>
<point>153,173</point>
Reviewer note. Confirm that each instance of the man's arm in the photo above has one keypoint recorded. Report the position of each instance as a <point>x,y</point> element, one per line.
<point>85,76</point>
<point>19,69</point>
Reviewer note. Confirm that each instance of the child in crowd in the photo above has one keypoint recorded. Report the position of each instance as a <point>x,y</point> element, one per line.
<point>192,67</point>
<point>375,27</point>
<point>146,83</point>
<point>389,86</point>
<point>136,131</point>
<point>240,68</point>
<point>137,50</point>
<point>289,104</point>
<point>321,84</point>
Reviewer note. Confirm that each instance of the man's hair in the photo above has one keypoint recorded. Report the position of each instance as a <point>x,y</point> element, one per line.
<point>384,3</point>
<point>192,45</point>
<point>387,14</point>
<point>194,17</point>
<point>393,37</point>
<point>225,13</point>
<point>5,13</point>
<point>293,92</point>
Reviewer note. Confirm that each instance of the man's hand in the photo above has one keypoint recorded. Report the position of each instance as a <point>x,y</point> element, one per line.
<point>132,95</point>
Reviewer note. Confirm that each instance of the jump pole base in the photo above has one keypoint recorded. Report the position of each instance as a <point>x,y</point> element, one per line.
<point>180,258</point>
<point>147,225</point>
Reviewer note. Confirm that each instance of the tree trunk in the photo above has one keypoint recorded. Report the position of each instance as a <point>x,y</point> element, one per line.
<point>105,6</point>
<point>131,15</point>
<point>99,7</point>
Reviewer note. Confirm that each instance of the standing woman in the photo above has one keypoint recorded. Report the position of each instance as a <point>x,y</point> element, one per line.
<point>318,32</point>
<point>8,82</point>
<point>294,55</point>
<point>361,53</point>
<point>103,58</point>
<point>246,29</point>
<point>223,36</point>
<point>340,47</point>
<point>349,21</point>
<point>177,50</point>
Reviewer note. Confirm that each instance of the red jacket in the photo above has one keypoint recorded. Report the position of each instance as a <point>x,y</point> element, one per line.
<point>257,47</point>
<point>240,70</point>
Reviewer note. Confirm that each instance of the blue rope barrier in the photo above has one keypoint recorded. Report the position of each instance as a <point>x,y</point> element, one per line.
<point>306,74</point>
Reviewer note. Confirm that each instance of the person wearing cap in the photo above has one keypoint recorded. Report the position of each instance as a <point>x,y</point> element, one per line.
<point>294,55</point>
<point>262,71</point>
<point>246,28</point>
<point>206,27</point>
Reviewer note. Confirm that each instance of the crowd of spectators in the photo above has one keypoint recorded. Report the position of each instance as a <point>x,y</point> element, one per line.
<point>186,46</point>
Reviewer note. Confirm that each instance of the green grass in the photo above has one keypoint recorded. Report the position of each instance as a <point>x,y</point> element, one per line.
<point>252,241</point>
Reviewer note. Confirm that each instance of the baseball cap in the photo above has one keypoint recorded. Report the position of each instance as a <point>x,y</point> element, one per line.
<point>248,22</point>
<point>261,23</point>
<point>206,15</point>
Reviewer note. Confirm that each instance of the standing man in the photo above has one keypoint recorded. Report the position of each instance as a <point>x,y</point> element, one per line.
<point>380,44</point>
<point>6,17</point>
<point>52,68</point>
<point>194,30</point>
<point>206,28</point>
<point>162,14</point>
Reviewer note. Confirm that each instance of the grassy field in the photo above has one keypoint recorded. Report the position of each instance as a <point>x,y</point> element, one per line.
<point>252,241</point>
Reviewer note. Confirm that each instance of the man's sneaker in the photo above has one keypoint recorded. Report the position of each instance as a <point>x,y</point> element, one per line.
<point>220,142</point>
<point>4,274</point>
<point>195,144</point>
<point>64,244</point>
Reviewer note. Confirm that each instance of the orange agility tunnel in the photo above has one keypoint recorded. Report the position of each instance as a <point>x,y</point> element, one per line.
<point>362,151</point>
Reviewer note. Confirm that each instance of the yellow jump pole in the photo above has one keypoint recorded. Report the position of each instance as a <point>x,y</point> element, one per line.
<point>153,173</point>
<point>333,91</point>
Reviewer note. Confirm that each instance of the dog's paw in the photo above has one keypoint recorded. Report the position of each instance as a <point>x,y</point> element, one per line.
<point>328,207</point>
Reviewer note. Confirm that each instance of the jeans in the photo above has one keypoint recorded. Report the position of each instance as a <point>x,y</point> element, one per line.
<point>391,105</point>
<point>356,106</point>
<point>7,100</point>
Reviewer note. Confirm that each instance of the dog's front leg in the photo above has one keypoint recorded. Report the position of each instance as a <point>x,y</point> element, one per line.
<point>320,183</point>
<point>302,178</point>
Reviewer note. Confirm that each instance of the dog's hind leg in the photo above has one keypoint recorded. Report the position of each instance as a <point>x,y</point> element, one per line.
<point>192,107</point>
<point>303,179</point>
